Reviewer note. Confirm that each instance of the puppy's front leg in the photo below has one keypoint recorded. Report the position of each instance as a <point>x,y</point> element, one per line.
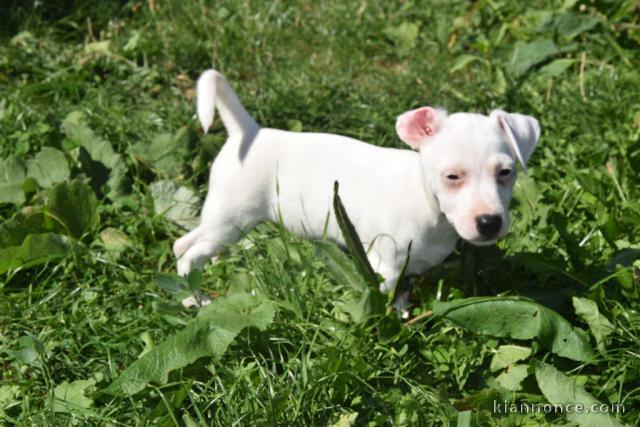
<point>209,241</point>
<point>198,247</point>
<point>388,268</point>
<point>385,268</point>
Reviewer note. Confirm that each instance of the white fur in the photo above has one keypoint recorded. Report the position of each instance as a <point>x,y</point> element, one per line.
<point>393,196</point>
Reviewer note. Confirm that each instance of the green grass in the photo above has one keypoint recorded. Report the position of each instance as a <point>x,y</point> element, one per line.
<point>88,312</point>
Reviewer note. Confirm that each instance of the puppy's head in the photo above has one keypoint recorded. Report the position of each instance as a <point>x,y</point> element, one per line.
<point>469,163</point>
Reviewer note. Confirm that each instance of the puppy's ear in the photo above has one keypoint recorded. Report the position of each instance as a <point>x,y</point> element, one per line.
<point>415,127</point>
<point>522,132</point>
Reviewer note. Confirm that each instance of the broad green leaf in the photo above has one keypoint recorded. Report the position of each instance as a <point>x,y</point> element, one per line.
<point>30,185</point>
<point>194,278</point>
<point>462,61</point>
<point>76,129</point>
<point>507,355</point>
<point>339,264</point>
<point>36,249</point>
<point>371,302</point>
<point>562,390</point>
<point>102,164</point>
<point>75,205</point>
<point>177,286</point>
<point>295,125</point>
<point>464,419</point>
<point>519,319</point>
<point>500,82</point>
<point>513,376</point>
<point>12,175</point>
<point>145,337</point>
<point>189,421</point>
<point>208,335</point>
<point>175,202</point>
<point>30,349</point>
<point>568,24</point>
<point>556,67</point>
<point>48,167</point>
<point>101,48</point>
<point>23,39</point>
<point>352,241</point>
<point>599,325</point>
<point>404,36</point>
<point>115,240</point>
<point>97,172</point>
<point>164,154</point>
<point>28,221</point>
<point>347,419</point>
<point>527,55</point>
<point>72,397</point>
<point>8,396</point>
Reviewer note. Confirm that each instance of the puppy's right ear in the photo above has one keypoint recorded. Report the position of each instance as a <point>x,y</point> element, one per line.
<point>522,132</point>
<point>415,127</point>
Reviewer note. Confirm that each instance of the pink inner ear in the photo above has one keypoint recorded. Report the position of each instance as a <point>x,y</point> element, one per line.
<point>415,126</point>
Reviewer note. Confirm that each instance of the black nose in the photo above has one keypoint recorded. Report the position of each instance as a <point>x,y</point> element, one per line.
<point>488,225</point>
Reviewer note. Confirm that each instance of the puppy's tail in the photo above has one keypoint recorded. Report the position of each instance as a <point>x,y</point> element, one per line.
<point>213,91</point>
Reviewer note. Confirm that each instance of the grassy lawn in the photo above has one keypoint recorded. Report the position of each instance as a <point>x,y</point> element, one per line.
<point>103,166</point>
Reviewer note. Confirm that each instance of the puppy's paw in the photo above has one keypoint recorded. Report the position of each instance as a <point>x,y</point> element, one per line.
<point>181,245</point>
<point>402,303</point>
<point>184,266</point>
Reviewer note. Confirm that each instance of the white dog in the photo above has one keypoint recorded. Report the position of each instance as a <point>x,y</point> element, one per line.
<point>457,184</point>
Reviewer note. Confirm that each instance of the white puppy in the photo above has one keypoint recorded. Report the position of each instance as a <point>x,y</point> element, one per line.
<point>457,184</point>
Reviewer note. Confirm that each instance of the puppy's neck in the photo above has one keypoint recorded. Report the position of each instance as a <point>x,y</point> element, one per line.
<point>428,193</point>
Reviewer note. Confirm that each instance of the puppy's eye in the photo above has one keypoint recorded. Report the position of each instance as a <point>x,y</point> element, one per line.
<point>453,177</point>
<point>504,173</point>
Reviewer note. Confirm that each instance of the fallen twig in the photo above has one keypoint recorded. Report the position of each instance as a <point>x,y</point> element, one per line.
<point>418,318</point>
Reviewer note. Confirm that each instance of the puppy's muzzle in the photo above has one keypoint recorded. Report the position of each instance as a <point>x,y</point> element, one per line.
<point>489,225</point>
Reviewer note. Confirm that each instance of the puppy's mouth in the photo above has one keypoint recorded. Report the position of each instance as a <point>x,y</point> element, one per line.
<point>486,241</point>
<point>477,240</point>
<point>483,241</point>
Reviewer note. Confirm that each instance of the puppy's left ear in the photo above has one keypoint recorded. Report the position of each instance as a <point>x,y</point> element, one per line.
<point>522,132</point>
<point>416,127</point>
